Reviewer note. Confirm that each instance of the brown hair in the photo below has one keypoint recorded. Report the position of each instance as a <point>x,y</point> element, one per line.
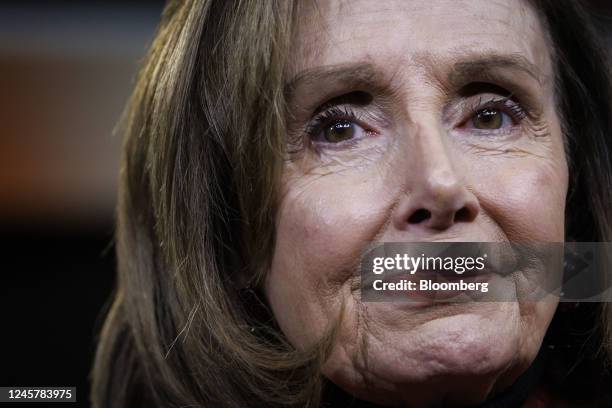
<point>196,212</point>
<point>202,159</point>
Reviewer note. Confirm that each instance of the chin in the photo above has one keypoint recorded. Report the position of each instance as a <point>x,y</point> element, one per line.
<point>450,356</point>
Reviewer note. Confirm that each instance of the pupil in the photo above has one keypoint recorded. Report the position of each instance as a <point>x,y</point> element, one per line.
<point>488,119</point>
<point>487,115</point>
<point>339,131</point>
<point>341,127</point>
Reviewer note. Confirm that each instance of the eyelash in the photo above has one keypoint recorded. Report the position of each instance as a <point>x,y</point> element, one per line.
<point>505,104</point>
<point>333,114</point>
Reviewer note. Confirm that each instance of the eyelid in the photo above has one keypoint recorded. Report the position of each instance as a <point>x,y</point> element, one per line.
<point>326,116</point>
<point>506,104</point>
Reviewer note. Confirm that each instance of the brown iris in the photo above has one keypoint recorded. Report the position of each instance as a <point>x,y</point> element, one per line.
<point>488,119</point>
<point>339,131</point>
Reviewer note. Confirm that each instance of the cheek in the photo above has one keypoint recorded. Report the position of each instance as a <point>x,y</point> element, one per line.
<point>322,228</point>
<point>526,198</point>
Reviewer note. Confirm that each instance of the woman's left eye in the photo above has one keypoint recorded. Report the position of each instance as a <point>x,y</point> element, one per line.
<point>490,119</point>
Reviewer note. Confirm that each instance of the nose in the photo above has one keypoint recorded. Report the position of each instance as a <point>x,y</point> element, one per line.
<point>436,196</point>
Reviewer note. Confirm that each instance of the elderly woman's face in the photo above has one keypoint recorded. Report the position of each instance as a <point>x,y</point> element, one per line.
<point>416,121</point>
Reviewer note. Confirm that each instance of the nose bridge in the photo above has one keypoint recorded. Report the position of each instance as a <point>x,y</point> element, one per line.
<point>437,196</point>
<point>437,174</point>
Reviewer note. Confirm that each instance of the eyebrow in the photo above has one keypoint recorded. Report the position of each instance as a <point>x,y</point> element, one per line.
<point>365,74</point>
<point>484,67</point>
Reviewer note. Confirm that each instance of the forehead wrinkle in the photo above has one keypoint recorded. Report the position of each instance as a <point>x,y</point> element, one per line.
<point>443,72</point>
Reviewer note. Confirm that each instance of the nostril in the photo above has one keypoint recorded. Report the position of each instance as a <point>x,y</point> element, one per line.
<point>419,216</point>
<point>463,215</point>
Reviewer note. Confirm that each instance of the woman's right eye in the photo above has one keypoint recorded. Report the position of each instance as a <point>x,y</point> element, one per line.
<point>335,126</point>
<point>340,131</point>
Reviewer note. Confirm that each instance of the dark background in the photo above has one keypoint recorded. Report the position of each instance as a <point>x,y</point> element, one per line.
<point>66,70</point>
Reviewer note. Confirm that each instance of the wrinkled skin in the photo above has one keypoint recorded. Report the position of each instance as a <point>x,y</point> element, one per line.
<point>416,73</point>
